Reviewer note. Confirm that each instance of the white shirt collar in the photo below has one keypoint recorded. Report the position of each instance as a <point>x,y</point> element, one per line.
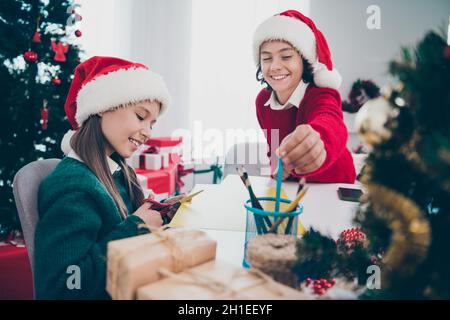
<point>294,100</point>
<point>113,166</point>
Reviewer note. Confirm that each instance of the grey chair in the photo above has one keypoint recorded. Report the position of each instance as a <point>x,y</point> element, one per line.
<point>251,154</point>
<point>25,188</point>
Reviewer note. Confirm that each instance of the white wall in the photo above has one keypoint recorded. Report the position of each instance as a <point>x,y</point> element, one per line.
<point>223,85</point>
<point>153,32</point>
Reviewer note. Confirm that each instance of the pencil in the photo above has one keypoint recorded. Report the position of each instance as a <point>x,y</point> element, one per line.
<point>260,225</point>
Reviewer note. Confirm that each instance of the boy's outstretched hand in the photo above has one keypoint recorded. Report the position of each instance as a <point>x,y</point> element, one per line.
<point>302,151</point>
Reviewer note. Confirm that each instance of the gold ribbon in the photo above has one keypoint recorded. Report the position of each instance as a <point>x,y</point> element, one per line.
<point>174,248</point>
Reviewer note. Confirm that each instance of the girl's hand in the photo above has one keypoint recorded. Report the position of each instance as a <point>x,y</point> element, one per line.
<point>302,150</point>
<point>150,217</point>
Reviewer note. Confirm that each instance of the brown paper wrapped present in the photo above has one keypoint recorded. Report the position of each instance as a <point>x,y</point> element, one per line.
<point>134,262</point>
<point>217,280</point>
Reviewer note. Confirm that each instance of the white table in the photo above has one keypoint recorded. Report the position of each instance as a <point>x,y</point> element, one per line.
<point>220,211</point>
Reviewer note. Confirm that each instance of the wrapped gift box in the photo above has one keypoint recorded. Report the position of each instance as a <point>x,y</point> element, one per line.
<point>165,160</point>
<point>185,181</point>
<point>134,262</point>
<point>160,181</point>
<point>207,171</point>
<point>16,280</point>
<point>217,280</point>
<point>146,161</point>
<point>166,144</point>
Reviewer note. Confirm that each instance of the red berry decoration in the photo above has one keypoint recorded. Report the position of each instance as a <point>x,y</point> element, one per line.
<point>320,286</point>
<point>78,33</point>
<point>351,238</point>
<point>30,56</point>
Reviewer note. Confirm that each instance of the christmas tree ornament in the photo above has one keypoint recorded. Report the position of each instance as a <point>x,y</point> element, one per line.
<point>30,56</point>
<point>56,81</point>
<point>362,91</point>
<point>371,119</point>
<point>78,33</point>
<point>59,49</point>
<point>37,36</point>
<point>44,115</point>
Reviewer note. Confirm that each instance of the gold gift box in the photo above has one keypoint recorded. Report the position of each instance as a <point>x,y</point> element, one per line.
<point>134,262</point>
<point>218,280</point>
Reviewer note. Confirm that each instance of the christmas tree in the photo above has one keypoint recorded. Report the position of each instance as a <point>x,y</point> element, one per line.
<point>405,214</point>
<point>38,57</point>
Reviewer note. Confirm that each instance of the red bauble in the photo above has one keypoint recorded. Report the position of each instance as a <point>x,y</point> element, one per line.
<point>56,81</point>
<point>78,33</point>
<point>30,56</point>
<point>447,53</point>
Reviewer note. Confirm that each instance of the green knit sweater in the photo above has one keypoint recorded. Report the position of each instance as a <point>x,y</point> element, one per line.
<point>77,219</point>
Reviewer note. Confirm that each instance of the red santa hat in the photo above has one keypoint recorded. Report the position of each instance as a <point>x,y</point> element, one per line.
<point>301,32</point>
<point>104,83</point>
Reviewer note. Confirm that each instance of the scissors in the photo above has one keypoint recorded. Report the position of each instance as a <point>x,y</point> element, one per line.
<point>168,210</point>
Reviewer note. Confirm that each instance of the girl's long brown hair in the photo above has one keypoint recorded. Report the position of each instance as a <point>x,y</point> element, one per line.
<point>89,144</point>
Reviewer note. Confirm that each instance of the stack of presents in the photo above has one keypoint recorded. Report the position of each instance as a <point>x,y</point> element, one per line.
<point>162,169</point>
<point>180,264</point>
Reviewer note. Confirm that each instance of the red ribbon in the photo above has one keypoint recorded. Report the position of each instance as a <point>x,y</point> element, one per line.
<point>152,150</point>
<point>181,173</point>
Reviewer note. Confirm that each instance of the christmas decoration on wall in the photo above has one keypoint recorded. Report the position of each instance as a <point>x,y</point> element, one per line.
<point>362,91</point>
<point>35,133</point>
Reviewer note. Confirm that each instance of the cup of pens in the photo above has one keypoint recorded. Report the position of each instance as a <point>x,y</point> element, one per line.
<point>271,214</point>
<point>261,221</point>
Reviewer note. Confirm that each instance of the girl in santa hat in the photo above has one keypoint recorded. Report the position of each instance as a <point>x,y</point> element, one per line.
<point>93,196</point>
<point>301,106</point>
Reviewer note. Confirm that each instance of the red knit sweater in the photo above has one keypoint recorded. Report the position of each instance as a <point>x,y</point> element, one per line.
<point>321,109</point>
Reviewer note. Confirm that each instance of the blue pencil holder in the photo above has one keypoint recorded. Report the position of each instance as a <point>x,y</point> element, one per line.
<point>261,222</point>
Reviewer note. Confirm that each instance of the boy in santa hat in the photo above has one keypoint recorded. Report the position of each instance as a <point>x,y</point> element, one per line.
<point>301,106</point>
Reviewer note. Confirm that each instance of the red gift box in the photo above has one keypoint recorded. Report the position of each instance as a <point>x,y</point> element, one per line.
<point>16,280</point>
<point>162,142</point>
<point>160,181</point>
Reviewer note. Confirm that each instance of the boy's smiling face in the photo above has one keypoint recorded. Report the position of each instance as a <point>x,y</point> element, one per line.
<point>126,128</point>
<point>282,67</point>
